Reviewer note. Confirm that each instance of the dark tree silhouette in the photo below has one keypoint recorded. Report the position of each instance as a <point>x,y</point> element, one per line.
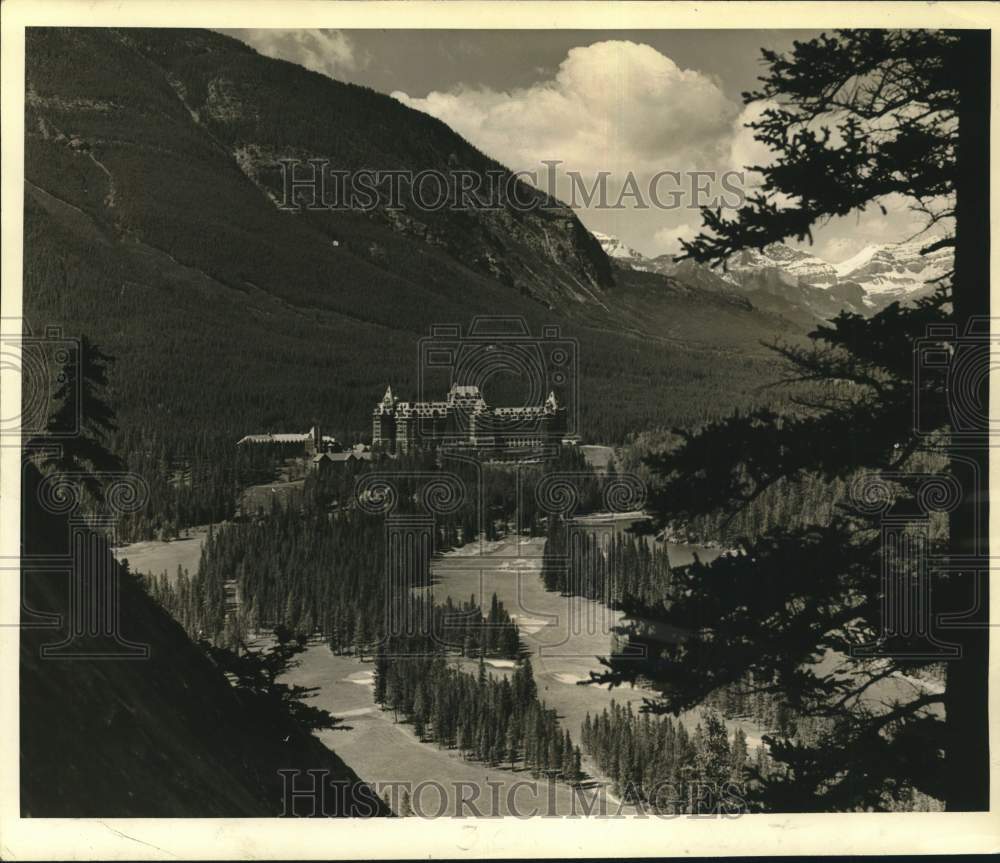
<point>255,675</point>
<point>856,116</point>
<point>76,434</point>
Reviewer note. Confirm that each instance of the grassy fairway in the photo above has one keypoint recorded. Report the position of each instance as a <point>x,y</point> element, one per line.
<point>563,635</point>
<point>154,556</point>
<point>384,751</point>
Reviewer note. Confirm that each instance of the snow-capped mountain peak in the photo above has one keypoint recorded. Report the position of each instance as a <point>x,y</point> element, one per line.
<point>796,264</point>
<point>896,271</point>
<point>618,251</point>
<point>867,281</point>
<point>858,259</point>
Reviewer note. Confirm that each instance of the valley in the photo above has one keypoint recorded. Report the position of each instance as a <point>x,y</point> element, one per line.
<point>733,409</point>
<point>191,266</point>
<point>563,636</point>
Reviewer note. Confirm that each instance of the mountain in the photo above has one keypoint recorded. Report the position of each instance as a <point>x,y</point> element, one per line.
<point>803,287</point>
<point>206,96</point>
<point>779,285</point>
<point>897,271</point>
<point>788,281</point>
<point>152,224</point>
<point>619,253</point>
<point>868,281</point>
<point>797,265</point>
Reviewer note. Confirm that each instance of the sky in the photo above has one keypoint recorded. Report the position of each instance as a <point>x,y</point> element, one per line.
<point>656,105</point>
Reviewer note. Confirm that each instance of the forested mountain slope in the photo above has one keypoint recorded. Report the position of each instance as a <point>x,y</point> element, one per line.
<point>151,225</point>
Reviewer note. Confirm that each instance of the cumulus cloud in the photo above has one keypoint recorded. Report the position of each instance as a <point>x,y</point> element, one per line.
<point>667,241</point>
<point>612,106</point>
<point>744,149</point>
<point>615,106</point>
<point>330,52</point>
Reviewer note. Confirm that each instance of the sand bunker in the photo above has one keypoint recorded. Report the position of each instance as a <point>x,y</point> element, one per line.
<point>578,679</point>
<point>519,565</point>
<point>529,625</point>
<point>475,548</point>
<point>501,663</point>
<point>365,678</point>
<point>361,711</point>
<point>570,678</point>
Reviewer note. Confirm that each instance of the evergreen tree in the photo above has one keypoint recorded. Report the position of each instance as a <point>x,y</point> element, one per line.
<point>740,754</point>
<point>567,768</point>
<point>76,435</point>
<point>419,709</point>
<point>512,741</point>
<point>855,116</point>
<point>380,671</point>
<point>717,761</point>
